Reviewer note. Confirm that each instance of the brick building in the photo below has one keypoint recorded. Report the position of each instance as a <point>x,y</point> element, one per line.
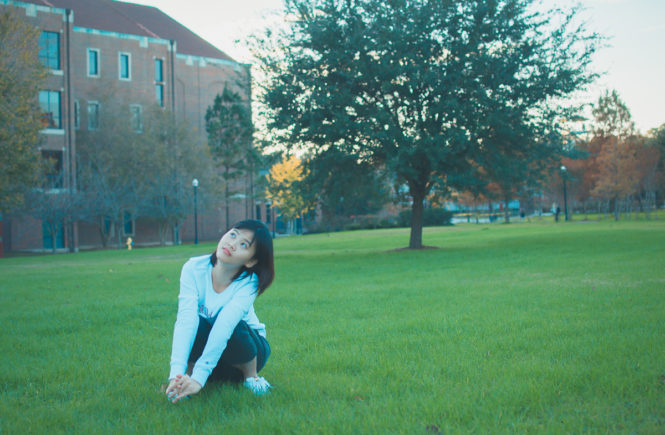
<point>146,56</point>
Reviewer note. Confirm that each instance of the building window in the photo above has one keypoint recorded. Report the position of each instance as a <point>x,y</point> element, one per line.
<point>93,62</point>
<point>137,117</point>
<point>159,94</point>
<point>159,70</point>
<point>49,49</point>
<point>49,102</point>
<point>159,81</point>
<point>54,165</point>
<point>124,66</point>
<point>127,224</point>
<point>77,114</point>
<point>93,115</point>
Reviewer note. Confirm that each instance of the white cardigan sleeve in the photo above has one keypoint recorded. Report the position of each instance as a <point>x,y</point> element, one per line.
<point>187,321</point>
<point>227,320</point>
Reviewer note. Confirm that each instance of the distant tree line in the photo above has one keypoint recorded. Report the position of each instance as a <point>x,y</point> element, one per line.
<point>610,168</point>
<point>617,169</point>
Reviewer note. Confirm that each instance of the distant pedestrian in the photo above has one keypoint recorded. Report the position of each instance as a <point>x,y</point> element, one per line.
<point>217,335</point>
<point>557,213</point>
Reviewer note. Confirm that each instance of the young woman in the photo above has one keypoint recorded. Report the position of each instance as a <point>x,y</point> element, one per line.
<point>217,334</point>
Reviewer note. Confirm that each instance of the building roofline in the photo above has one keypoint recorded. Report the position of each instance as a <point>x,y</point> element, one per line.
<point>34,6</point>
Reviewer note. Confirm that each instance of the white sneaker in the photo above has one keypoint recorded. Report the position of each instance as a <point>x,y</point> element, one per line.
<point>259,386</point>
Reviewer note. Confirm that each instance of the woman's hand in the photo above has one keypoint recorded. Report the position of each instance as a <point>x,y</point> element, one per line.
<point>171,388</point>
<point>180,387</point>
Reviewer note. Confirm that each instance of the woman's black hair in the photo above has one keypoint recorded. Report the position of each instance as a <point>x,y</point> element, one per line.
<point>263,254</point>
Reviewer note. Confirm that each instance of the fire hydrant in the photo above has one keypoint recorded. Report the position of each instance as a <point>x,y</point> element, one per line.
<point>129,243</point>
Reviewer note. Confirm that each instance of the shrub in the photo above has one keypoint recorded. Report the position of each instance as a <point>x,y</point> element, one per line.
<point>432,217</point>
<point>363,223</point>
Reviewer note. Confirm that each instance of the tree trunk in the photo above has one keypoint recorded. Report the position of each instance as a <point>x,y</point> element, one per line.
<point>163,227</point>
<point>617,210</point>
<point>53,233</point>
<point>103,237</point>
<point>226,200</point>
<point>416,237</point>
<point>69,236</point>
<point>584,209</point>
<point>506,212</point>
<point>117,234</point>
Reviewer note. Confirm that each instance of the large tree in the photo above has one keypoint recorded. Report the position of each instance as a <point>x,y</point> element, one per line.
<point>140,164</point>
<point>230,129</point>
<point>408,84</point>
<point>617,164</point>
<point>21,77</point>
<point>175,159</point>
<point>111,167</point>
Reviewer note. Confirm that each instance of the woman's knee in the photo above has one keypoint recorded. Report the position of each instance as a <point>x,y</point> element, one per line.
<point>240,347</point>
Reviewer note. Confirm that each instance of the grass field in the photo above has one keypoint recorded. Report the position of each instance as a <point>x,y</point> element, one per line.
<point>521,328</point>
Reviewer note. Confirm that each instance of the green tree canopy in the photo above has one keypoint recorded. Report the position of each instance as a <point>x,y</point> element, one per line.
<point>412,85</point>
<point>21,76</point>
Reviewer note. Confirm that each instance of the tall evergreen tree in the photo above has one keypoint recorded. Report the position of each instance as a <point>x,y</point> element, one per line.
<point>230,129</point>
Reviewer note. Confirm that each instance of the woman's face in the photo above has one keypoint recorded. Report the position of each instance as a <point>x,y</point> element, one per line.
<point>236,248</point>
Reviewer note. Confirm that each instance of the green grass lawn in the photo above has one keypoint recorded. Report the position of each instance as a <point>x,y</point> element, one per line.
<point>528,327</point>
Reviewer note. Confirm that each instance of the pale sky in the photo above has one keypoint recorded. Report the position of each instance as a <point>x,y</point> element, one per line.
<point>634,61</point>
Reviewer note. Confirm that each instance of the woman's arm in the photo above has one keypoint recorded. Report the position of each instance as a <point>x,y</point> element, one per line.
<point>184,331</point>
<point>227,319</point>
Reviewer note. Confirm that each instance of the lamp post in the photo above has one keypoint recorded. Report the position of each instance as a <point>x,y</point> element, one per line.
<point>564,171</point>
<point>195,185</point>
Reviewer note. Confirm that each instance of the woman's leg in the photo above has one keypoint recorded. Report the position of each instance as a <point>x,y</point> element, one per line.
<point>251,368</point>
<point>245,355</point>
<point>248,369</point>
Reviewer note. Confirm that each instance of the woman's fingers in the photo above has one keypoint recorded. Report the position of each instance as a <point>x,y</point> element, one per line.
<point>186,389</point>
<point>180,397</point>
<point>175,385</point>
<point>181,387</point>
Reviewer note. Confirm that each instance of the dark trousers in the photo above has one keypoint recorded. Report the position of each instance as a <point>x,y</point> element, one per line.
<point>244,344</point>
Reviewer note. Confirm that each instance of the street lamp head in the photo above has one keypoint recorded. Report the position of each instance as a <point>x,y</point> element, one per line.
<point>195,183</point>
<point>563,168</point>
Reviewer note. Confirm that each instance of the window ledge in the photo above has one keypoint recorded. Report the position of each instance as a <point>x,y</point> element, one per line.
<point>54,131</point>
